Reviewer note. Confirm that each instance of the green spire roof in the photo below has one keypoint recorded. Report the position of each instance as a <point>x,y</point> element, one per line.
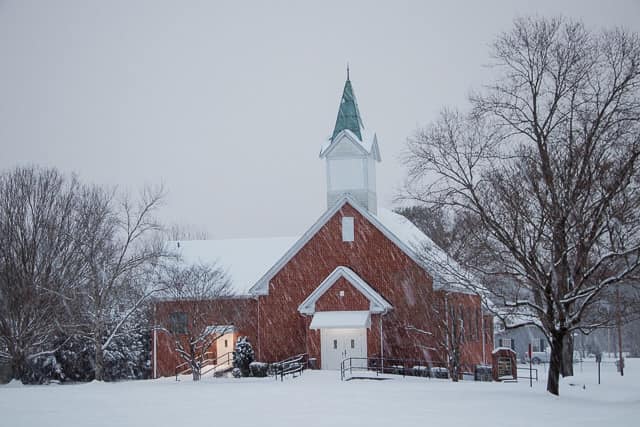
<point>348,114</point>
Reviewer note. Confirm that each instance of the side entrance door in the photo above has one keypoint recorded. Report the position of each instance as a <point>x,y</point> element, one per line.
<point>339,344</point>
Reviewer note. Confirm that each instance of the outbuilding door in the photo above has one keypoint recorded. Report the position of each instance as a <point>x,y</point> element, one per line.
<point>224,347</point>
<point>339,344</point>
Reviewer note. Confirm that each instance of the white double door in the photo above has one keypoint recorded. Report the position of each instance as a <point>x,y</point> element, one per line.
<point>340,344</point>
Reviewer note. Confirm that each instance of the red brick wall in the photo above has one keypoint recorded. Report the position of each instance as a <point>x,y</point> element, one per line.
<point>381,264</point>
<point>352,300</point>
<point>278,330</point>
<point>240,312</point>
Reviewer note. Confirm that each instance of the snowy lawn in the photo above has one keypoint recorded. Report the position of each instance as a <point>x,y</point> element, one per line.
<point>319,398</point>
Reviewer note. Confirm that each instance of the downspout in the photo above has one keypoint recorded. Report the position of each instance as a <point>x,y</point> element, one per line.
<point>384,313</point>
<point>258,330</point>
<point>447,326</point>
<point>484,357</point>
<point>155,344</point>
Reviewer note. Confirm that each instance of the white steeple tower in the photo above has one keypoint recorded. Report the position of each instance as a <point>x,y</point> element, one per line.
<point>351,156</point>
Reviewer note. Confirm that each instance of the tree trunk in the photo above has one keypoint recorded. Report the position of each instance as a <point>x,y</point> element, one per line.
<point>19,366</point>
<point>567,356</point>
<point>99,359</point>
<point>195,370</point>
<point>555,364</point>
<point>455,365</point>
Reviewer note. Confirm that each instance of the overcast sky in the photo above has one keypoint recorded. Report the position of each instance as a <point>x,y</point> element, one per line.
<point>228,103</point>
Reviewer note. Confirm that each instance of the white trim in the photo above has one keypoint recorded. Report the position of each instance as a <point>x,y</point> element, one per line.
<point>343,134</point>
<point>348,229</point>
<point>262,285</point>
<point>346,133</point>
<point>377,303</point>
<point>341,320</point>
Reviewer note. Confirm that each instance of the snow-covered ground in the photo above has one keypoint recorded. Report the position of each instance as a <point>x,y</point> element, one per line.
<point>319,398</point>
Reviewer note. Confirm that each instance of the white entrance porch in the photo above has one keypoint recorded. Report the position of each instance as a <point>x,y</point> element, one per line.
<point>343,334</point>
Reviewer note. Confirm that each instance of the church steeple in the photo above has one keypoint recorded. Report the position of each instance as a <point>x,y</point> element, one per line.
<point>351,156</point>
<point>348,114</point>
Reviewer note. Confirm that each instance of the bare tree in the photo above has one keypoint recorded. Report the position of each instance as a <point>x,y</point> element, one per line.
<point>121,249</point>
<point>186,232</point>
<point>193,295</point>
<point>547,163</point>
<point>39,261</point>
<point>446,332</point>
<point>447,228</point>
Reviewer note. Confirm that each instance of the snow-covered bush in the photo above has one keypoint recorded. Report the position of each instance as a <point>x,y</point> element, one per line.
<point>42,370</point>
<point>236,373</point>
<point>259,369</point>
<point>127,357</point>
<point>243,355</point>
<point>440,372</point>
<point>420,371</point>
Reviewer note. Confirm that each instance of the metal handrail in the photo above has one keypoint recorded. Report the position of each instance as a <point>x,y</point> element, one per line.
<point>186,363</point>
<point>220,361</point>
<point>214,362</point>
<point>390,365</point>
<point>528,377</point>
<point>290,366</point>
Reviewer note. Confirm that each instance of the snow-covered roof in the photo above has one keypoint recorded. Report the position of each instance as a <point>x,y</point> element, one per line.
<point>244,260</point>
<point>497,349</point>
<point>368,143</point>
<point>250,263</point>
<point>446,272</point>
<point>219,329</point>
<point>340,320</point>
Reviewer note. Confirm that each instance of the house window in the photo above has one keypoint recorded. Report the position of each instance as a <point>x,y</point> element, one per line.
<point>178,323</point>
<point>226,343</point>
<point>353,343</point>
<point>506,342</point>
<point>537,345</point>
<point>347,229</point>
<point>335,344</point>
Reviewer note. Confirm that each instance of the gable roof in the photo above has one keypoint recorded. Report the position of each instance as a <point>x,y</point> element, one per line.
<point>377,303</point>
<point>406,236</point>
<point>368,143</point>
<point>446,272</point>
<point>252,263</point>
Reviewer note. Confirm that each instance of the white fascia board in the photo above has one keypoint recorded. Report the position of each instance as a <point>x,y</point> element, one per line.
<point>262,286</point>
<point>341,320</point>
<point>377,303</point>
<point>343,134</point>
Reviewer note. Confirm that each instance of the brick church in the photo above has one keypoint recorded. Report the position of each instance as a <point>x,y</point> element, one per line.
<point>358,283</point>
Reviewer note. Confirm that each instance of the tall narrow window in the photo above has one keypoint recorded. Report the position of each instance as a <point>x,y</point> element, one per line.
<point>335,344</point>
<point>347,229</point>
<point>178,323</point>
